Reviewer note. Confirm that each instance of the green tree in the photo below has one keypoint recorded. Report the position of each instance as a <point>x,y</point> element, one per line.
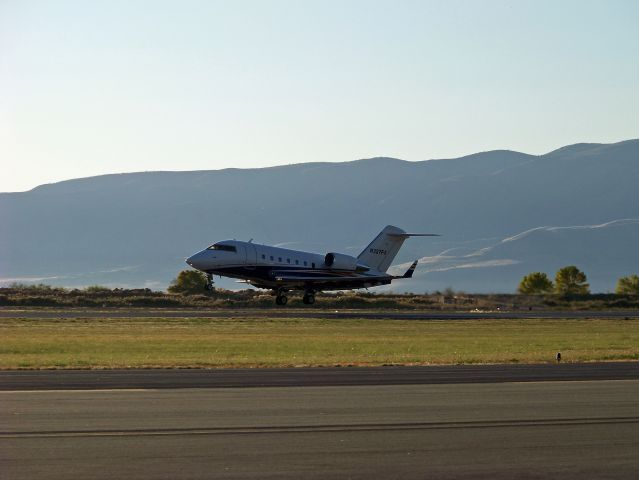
<point>571,281</point>
<point>189,282</point>
<point>535,283</point>
<point>628,285</point>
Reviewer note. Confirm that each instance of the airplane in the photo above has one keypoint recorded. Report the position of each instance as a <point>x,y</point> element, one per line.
<point>283,270</point>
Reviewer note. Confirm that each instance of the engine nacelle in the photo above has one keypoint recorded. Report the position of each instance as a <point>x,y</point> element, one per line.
<point>339,261</point>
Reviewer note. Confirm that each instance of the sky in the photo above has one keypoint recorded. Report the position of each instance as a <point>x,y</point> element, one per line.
<point>88,88</point>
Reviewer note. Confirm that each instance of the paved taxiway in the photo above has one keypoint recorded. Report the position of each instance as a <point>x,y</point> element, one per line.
<point>585,429</point>
<point>308,313</point>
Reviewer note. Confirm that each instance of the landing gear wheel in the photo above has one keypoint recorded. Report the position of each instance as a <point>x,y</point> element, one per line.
<point>281,299</point>
<point>209,282</point>
<point>308,299</point>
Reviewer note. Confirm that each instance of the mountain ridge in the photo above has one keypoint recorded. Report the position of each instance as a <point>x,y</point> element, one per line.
<point>573,148</point>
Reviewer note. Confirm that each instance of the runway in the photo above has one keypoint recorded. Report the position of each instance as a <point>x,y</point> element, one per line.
<point>560,429</point>
<point>309,377</point>
<point>65,313</point>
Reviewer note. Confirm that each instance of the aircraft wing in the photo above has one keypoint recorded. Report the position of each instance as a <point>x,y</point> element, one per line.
<point>327,280</point>
<point>314,278</point>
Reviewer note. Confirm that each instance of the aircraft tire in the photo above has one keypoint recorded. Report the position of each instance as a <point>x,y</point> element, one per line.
<point>309,299</point>
<point>283,299</point>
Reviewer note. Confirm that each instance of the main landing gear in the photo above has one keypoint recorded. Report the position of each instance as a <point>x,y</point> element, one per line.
<point>209,282</point>
<point>309,297</point>
<point>280,296</point>
<point>281,299</point>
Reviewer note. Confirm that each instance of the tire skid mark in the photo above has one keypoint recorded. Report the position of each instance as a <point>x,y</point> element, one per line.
<point>323,428</point>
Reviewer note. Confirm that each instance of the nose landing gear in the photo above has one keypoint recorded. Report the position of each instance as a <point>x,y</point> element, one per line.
<point>209,282</point>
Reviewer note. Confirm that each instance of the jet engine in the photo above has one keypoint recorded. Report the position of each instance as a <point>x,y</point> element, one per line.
<point>339,261</point>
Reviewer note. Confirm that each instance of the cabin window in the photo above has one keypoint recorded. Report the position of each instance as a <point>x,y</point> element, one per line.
<point>272,258</point>
<point>263,257</point>
<point>297,262</point>
<point>222,247</point>
<point>313,265</point>
<point>279,259</point>
<point>305,263</point>
<point>288,260</point>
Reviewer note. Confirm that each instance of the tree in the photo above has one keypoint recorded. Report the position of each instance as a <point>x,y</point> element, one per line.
<point>571,281</point>
<point>628,285</point>
<point>188,282</point>
<point>535,283</point>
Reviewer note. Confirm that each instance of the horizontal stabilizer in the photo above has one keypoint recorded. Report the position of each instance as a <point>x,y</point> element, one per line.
<point>406,235</point>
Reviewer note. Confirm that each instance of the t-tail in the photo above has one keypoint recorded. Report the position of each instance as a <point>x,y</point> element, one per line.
<point>381,252</point>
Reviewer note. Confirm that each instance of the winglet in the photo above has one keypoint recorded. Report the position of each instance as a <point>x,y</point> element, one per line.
<point>409,272</point>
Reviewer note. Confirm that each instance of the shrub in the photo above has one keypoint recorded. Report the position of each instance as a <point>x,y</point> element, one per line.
<point>188,282</point>
<point>96,289</point>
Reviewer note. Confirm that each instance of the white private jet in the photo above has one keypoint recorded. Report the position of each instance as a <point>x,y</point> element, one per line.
<point>282,270</point>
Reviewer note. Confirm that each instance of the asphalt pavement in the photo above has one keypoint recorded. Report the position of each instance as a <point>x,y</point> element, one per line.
<point>567,430</point>
<point>307,377</point>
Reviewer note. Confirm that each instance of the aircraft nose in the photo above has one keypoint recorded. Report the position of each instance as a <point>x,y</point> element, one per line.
<point>192,260</point>
<point>198,260</point>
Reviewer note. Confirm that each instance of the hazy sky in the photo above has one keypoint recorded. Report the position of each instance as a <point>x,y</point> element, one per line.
<point>88,88</point>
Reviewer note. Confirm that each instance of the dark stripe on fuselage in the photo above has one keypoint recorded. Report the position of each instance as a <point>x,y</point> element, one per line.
<point>264,276</point>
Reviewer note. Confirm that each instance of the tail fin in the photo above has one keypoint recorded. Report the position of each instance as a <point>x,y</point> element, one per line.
<point>380,252</point>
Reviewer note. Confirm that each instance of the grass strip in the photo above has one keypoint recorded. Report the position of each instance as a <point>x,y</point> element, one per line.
<point>260,342</point>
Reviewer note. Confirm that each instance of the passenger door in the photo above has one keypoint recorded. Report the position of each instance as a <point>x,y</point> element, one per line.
<point>251,256</point>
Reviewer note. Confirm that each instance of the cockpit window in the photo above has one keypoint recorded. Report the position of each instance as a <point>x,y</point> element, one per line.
<point>221,246</point>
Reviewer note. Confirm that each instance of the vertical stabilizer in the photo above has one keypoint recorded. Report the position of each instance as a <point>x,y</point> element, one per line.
<point>382,251</point>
